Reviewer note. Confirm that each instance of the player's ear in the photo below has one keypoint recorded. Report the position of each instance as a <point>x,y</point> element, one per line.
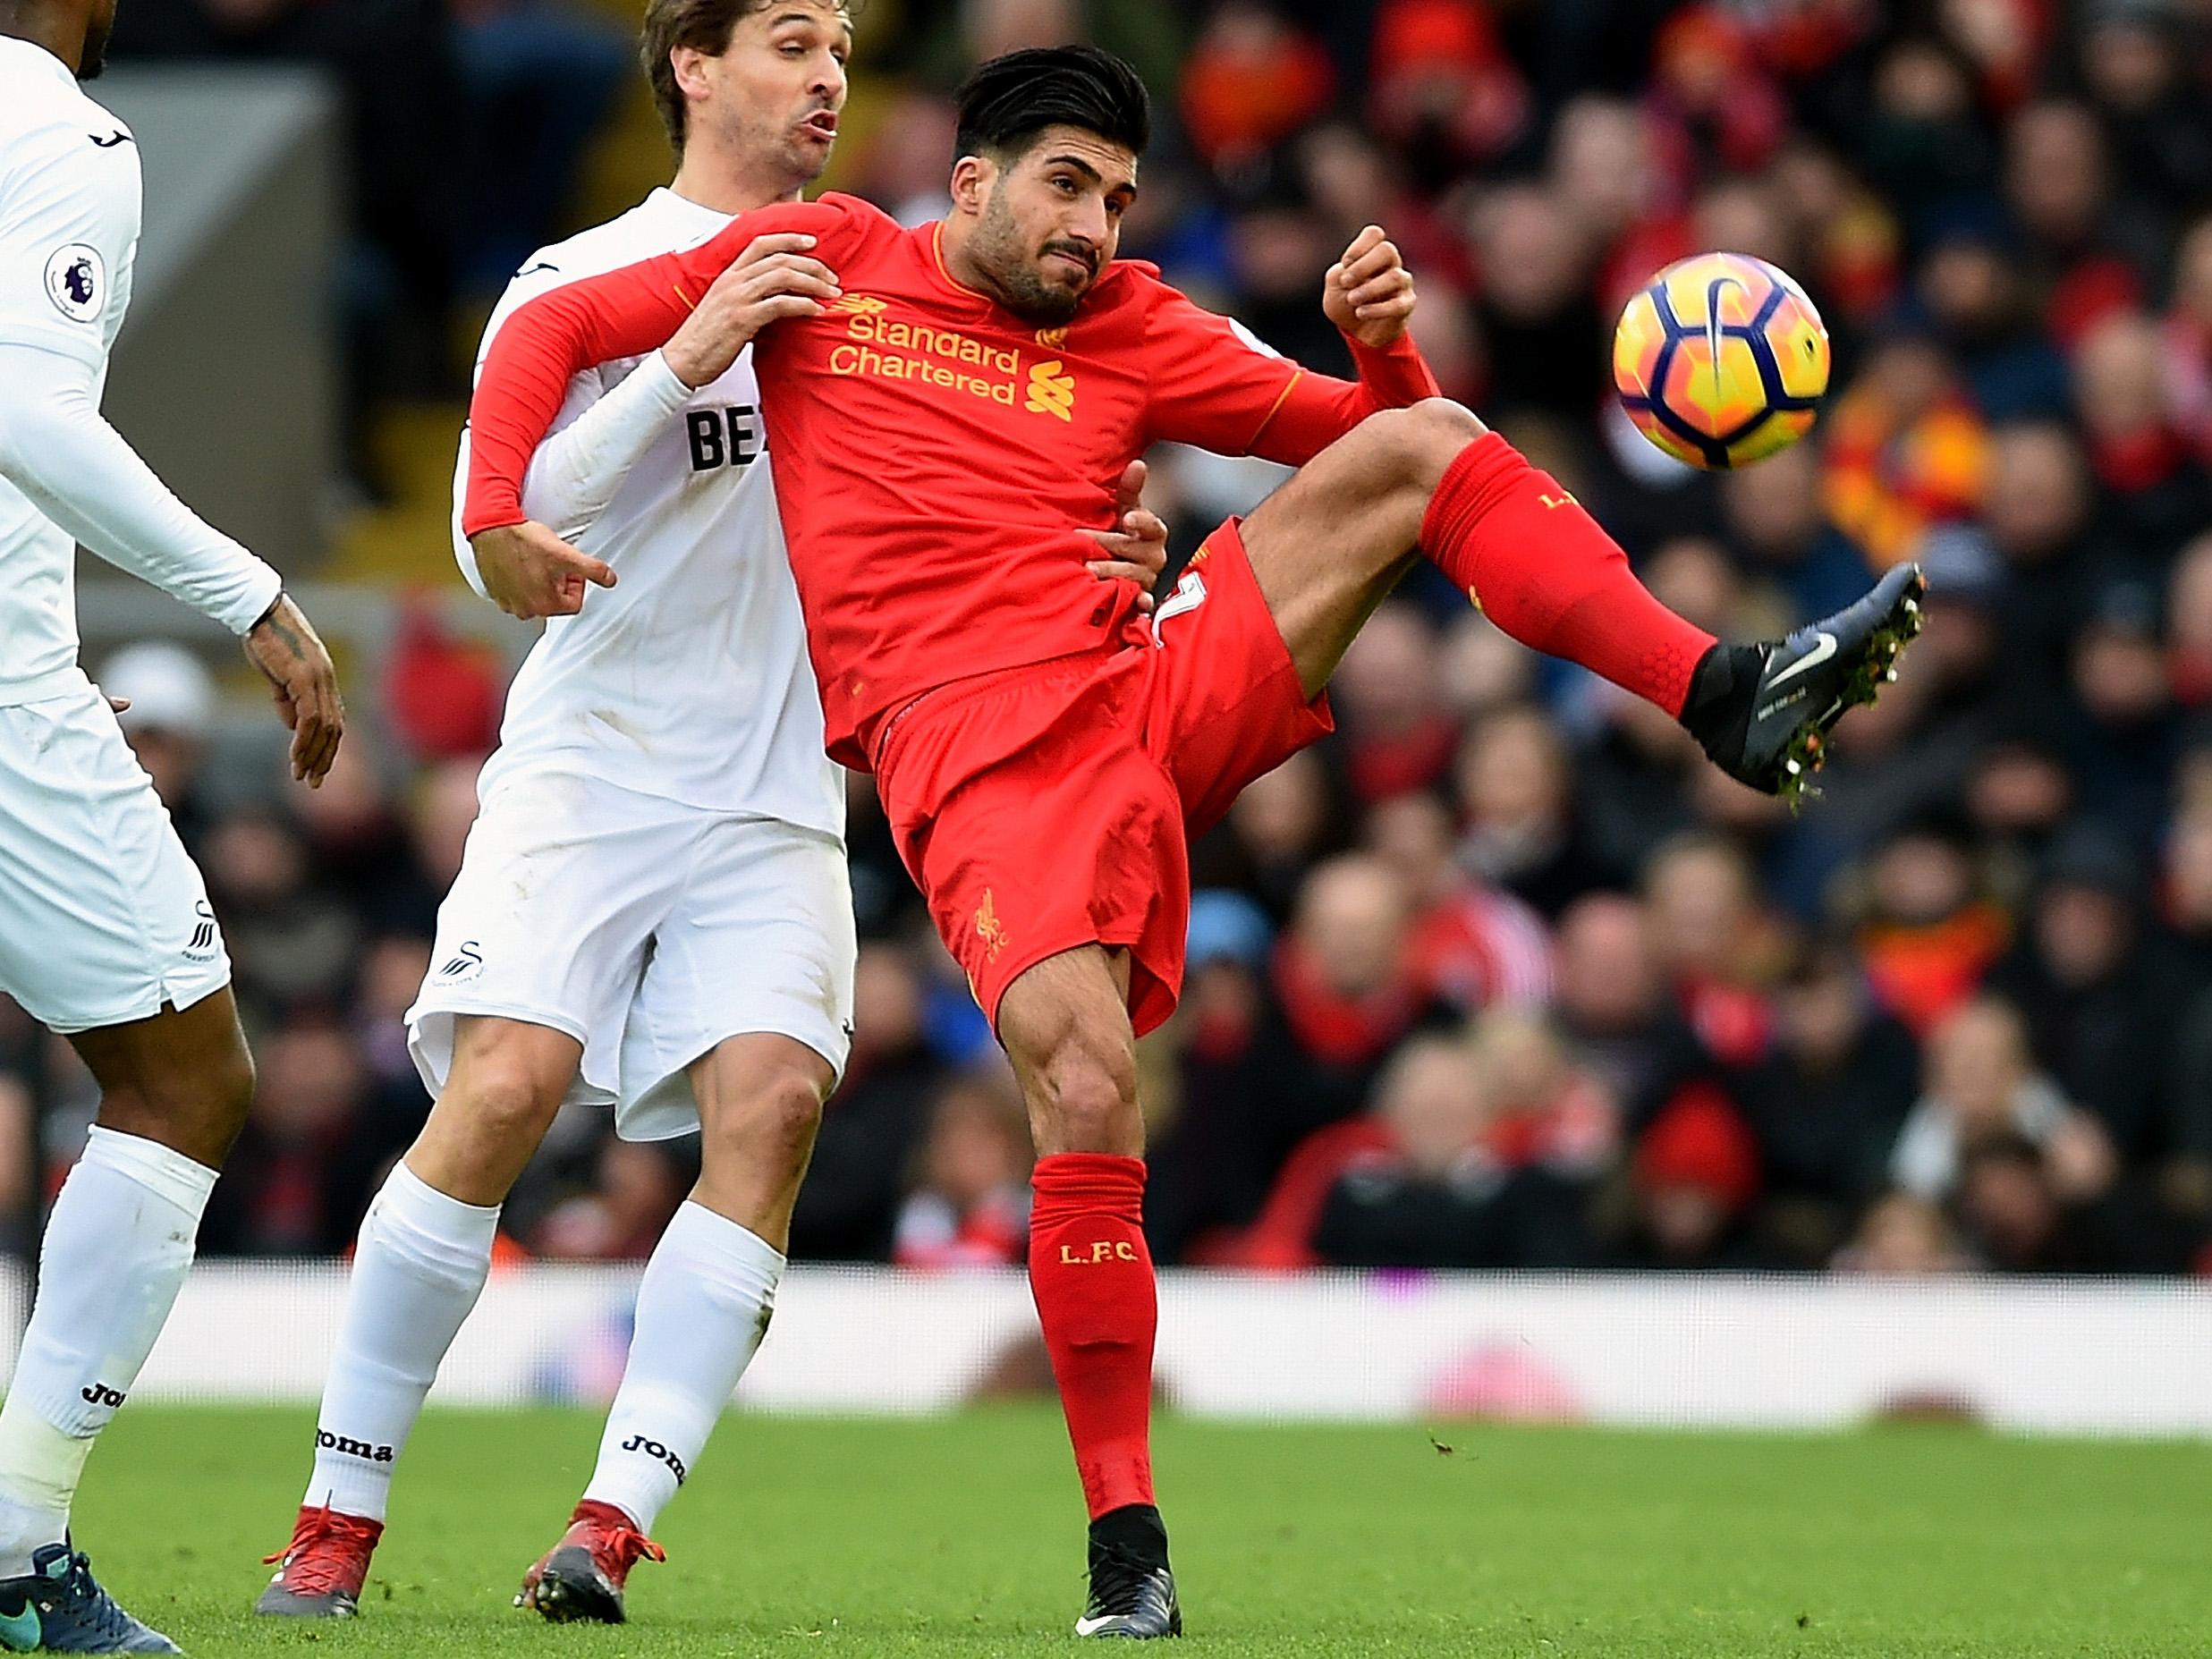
<point>690,64</point>
<point>972,178</point>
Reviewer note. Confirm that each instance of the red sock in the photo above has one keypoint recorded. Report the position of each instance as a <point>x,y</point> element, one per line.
<point>1540,568</point>
<point>1092,1278</point>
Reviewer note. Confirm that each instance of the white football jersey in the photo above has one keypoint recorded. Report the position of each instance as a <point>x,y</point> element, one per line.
<point>69,231</point>
<point>688,680</point>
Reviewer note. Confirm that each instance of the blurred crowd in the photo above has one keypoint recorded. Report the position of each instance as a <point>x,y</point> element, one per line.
<point>1502,975</point>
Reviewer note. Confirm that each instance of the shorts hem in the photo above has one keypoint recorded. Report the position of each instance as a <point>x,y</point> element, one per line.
<point>640,1106</point>
<point>1027,960</point>
<point>145,1007</point>
<point>583,1090</point>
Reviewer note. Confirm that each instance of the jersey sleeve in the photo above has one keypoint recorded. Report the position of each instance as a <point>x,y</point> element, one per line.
<point>1219,387</point>
<point>76,470</point>
<point>548,338</point>
<point>69,229</point>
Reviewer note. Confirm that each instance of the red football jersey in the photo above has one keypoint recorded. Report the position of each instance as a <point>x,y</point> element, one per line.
<point>936,457</point>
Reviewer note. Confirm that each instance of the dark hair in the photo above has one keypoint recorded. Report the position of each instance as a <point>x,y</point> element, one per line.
<point>704,26</point>
<point>1008,101</point>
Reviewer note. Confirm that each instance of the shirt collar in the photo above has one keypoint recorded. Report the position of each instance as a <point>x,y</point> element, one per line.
<point>692,216</point>
<point>39,60</point>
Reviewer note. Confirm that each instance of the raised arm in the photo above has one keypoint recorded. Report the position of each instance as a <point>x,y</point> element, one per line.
<point>626,312</point>
<point>1230,392</point>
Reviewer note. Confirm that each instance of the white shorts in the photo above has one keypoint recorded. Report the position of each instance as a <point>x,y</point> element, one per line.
<point>103,916</point>
<point>645,929</point>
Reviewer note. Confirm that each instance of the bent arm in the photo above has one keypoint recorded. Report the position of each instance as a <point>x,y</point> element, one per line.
<point>1218,386</point>
<point>59,450</point>
<point>551,338</point>
<point>1316,410</point>
<point>575,473</point>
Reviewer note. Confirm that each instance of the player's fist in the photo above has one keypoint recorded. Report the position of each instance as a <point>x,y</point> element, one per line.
<point>529,572</point>
<point>1369,293</point>
<point>1136,549</point>
<point>286,647</point>
<point>775,277</point>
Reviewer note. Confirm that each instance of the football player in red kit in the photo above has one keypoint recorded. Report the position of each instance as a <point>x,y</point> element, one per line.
<point>951,401</point>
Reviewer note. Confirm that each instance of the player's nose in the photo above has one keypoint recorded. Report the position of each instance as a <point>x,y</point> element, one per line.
<point>829,79</point>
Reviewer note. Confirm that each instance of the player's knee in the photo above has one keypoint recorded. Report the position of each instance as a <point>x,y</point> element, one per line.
<point>772,1125</point>
<point>505,1104</point>
<point>1090,1089</point>
<point>198,1109</point>
<point>1426,437</point>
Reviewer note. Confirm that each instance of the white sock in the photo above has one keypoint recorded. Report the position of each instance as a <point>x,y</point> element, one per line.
<point>702,1308</point>
<point>421,1264</point>
<point>117,1247</point>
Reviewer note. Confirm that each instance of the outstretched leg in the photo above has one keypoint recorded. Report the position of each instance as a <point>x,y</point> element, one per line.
<point>1431,481</point>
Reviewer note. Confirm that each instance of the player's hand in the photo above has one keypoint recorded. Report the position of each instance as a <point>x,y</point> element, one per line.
<point>773,278</point>
<point>1136,551</point>
<point>287,650</point>
<point>1369,293</point>
<point>529,572</point>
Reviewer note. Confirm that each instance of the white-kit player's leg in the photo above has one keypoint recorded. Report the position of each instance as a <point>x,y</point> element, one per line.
<point>106,937</point>
<point>740,1025</point>
<point>424,1253</point>
<point>175,1089</point>
<point>704,1304</point>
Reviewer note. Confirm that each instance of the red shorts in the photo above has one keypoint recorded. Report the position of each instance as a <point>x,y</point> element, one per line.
<point>1051,806</point>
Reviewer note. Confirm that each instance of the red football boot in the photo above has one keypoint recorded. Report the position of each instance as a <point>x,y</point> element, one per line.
<point>582,1576</point>
<point>322,1569</point>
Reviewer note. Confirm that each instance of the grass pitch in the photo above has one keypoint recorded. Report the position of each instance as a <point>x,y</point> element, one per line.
<point>964,1538</point>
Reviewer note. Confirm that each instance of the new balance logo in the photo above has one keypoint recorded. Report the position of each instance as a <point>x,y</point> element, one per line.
<point>1189,595</point>
<point>100,1394</point>
<point>202,945</point>
<point>654,1449</point>
<point>464,964</point>
<point>349,1448</point>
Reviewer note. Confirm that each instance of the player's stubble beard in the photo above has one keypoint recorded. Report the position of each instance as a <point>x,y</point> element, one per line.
<point>996,249</point>
<point>784,160</point>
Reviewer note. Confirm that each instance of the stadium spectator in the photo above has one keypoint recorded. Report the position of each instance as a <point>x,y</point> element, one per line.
<point>1477,1155</point>
<point>970,1205</point>
<point>1824,1105</point>
<point>1980,970</point>
<point>170,715</point>
<point>1981,1084</point>
<point>1900,1236</point>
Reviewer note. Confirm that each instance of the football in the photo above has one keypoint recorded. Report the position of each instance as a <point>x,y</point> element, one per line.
<point>1720,361</point>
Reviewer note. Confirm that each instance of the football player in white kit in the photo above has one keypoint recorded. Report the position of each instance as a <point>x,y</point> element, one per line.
<point>654,911</point>
<point>105,935</point>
